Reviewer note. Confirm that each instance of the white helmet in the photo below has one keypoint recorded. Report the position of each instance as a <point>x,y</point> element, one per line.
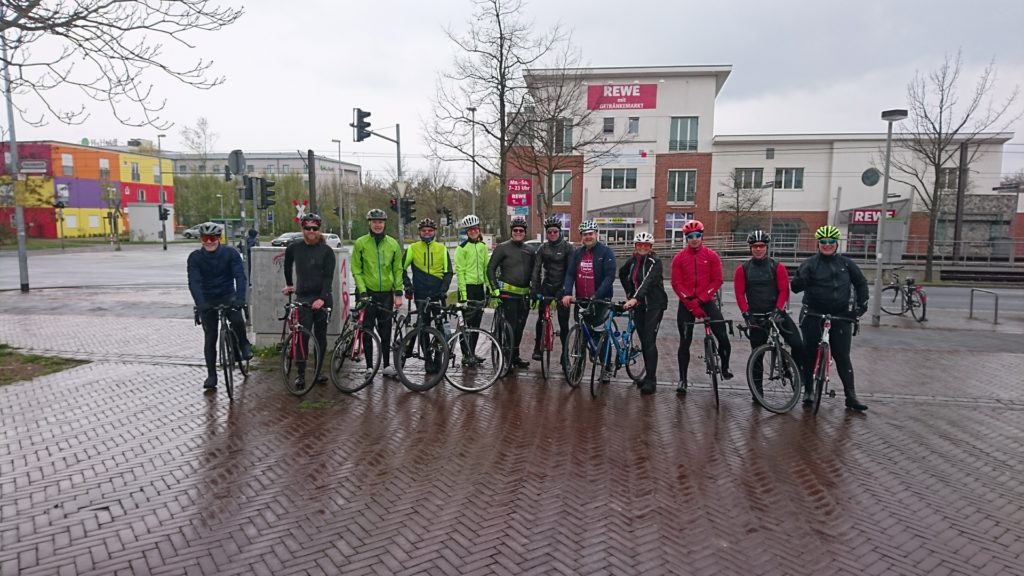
<point>643,238</point>
<point>210,229</point>
<point>469,221</point>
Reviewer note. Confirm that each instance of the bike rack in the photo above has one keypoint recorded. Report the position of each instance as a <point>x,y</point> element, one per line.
<point>995,318</point>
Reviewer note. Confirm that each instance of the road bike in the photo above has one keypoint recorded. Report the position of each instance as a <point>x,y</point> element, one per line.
<point>501,328</point>
<point>626,353</point>
<point>547,334</point>
<point>475,357</point>
<point>898,298</point>
<point>229,353</point>
<point>823,360</point>
<point>772,374</point>
<point>712,362</point>
<point>301,357</point>
<point>420,354</point>
<point>581,342</point>
<point>352,367</point>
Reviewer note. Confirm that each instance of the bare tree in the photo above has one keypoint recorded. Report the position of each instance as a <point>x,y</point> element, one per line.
<point>745,205</point>
<point>1015,179</point>
<point>487,75</point>
<point>110,50</point>
<point>938,124</point>
<point>199,139</point>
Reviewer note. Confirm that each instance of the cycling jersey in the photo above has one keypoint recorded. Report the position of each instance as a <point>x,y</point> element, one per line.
<point>471,260</point>
<point>377,264</point>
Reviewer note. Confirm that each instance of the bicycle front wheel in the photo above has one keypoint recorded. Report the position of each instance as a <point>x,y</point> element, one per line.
<point>892,301</point>
<point>300,357</point>
<point>636,369</point>
<point>421,358</point>
<point>502,332</point>
<point>228,351</point>
<point>917,305</point>
<point>475,360</point>
<point>820,376</point>
<point>778,388</point>
<point>711,359</point>
<point>545,348</point>
<point>599,369</point>
<point>352,366</point>
<point>576,356</point>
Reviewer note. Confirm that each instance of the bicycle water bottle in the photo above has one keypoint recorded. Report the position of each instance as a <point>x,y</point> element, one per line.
<point>447,330</point>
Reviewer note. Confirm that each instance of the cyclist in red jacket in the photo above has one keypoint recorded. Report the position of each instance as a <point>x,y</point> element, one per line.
<point>696,277</point>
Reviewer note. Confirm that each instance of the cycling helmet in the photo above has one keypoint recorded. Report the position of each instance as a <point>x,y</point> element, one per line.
<point>827,232</point>
<point>643,238</point>
<point>518,222</point>
<point>427,223</point>
<point>553,222</point>
<point>469,221</point>
<point>588,226</point>
<point>376,214</point>
<point>315,218</point>
<point>210,229</point>
<point>693,226</point>
<point>759,236</point>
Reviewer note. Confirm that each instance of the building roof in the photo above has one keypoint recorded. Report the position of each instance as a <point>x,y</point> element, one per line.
<point>992,137</point>
<point>629,73</point>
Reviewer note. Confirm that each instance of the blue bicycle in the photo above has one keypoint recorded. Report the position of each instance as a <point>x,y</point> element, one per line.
<point>584,341</point>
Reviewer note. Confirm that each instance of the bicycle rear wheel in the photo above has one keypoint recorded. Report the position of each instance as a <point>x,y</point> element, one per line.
<point>300,356</point>
<point>711,359</point>
<point>545,347</point>
<point>228,349</point>
<point>917,305</point>
<point>892,300</point>
<point>636,369</point>
<point>820,376</point>
<point>473,367</point>
<point>779,389</point>
<point>576,356</point>
<point>599,369</point>
<point>349,371</point>
<point>421,358</point>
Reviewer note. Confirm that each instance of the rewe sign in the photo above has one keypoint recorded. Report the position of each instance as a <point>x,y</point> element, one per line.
<point>519,191</point>
<point>869,216</point>
<point>622,96</point>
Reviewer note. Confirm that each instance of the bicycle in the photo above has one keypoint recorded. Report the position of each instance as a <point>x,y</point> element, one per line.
<point>898,298</point>
<point>823,360</point>
<point>475,358</point>
<point>627,352</point>
<point>299,350</point>
<point>547,334</point>
<point>778,390</point>
<point>580,342</point>
<point>348,371</point>
<point>712,361</point>
<point>421,354</point>
<point>501,329</point>
<point>229,353</point>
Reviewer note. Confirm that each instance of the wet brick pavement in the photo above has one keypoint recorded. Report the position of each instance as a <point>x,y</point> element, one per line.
<point>122,466</point>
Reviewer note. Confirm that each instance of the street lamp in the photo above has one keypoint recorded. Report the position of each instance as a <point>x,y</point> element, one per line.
<point>472,188</point>
<point>889,116</point>
<point>718,198</point>
<point>341,213</point>
<point>160,168</point>
<point>771,208</point>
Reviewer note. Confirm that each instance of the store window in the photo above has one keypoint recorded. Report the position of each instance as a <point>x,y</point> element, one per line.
<point>789,178</point>
<point>618,179</point>
<point>674,222</point>
<point>683,135</point>
<point>748,178</point>
<point>682,186</point>
<point>561,187</point>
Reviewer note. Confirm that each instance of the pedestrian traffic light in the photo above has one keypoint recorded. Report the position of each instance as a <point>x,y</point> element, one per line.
<point>360,127</point>
<point>408,210</point>
<point>165,213</point>
<point>267,193</point>
<point>249,184</point>
<point>227,173</point>
<point>394,204</point>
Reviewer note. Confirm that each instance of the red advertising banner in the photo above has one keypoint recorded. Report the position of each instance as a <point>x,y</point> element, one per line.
<point>869,216</point>
<point>622,96</point>
<point>519,191</point>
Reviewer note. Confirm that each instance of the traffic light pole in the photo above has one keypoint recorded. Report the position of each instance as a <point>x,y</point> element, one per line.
<point>398,147</point>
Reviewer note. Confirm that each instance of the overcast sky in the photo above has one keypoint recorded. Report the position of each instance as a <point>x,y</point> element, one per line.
<point>295,70</point>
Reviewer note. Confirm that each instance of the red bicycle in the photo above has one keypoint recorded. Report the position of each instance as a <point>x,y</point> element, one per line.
<point>352,367</point>
<point>547,334</point>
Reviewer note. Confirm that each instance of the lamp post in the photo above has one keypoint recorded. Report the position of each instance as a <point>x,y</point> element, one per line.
<point>160,168</point>
<point>472,188</point>
<point>221,196</point>
<point>341,212</point>
<point>718,198</point>
<point>771,208</point>
<point>889,116</point>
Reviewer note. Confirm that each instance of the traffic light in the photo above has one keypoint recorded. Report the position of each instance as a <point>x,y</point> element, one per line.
<point>248,187</point>
<point>60,205</point>
<point>408,210</point>
<point>165,213</point>
<point>360,127</point>
<point>227,173</point>
<point>337,211</point>
<point>394,204</point>
<point>266,193</point>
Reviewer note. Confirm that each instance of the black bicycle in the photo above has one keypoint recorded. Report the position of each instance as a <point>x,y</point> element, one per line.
<point>475,358</point>
<point>229,352</point>
<point>772,374</point>
<point>898,298</point>
<point>712,361</point>
<point>420,354</point>
<point>501,329</point>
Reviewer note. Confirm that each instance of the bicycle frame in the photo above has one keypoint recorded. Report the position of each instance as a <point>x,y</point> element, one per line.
<point>619,339</point>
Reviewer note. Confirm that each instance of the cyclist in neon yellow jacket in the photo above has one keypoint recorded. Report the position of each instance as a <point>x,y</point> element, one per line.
<point>377,269</point>
<point>471,260</point>
<point>431,276</point>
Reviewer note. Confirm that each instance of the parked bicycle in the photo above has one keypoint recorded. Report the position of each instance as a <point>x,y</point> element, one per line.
<point>772,374</point>
<point>823,359</point>
<point>898,298</point>
<point>229,354</point>
<point>475,358</point>
<point>712,361</point>
<point>501,328</point>
<point>420,354</point>
<point>301,357</point>
<point>626,353</point>
<point>581,341</point>
<point>350,370</point>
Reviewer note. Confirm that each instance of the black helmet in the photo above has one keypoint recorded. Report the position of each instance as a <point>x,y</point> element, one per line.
<point>553,222</point>
<point>315,218</point>
<point>427,223</point>
<point>759,236</point>
<point>376,214</point>
<point>518,222</point>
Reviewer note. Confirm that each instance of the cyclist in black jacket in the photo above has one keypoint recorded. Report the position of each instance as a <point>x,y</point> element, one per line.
<point>511,264</point>
<point>643,280</point>
<point>314,265</point>
<point>832,284</point>
<point>550,264</point>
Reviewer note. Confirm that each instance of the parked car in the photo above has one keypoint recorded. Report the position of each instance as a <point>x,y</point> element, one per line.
<point>192,233</point>
<point>533,245</point>
<point>286,239</point>
<point>332,240</point>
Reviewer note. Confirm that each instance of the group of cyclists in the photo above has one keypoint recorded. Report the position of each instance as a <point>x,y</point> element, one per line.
<point>556,272</point>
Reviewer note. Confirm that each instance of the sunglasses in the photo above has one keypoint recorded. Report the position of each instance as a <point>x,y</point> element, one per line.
<point>759,245</point>
<point>519,230</point>
<point>209,237</point>
<point>554,231</point>
<point>692,235</point>
<point>827,241</point>
<point>644,245</point>
<point>311,228</point>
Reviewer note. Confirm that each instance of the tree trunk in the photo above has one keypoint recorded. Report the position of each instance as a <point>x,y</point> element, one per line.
<point>933,220</point>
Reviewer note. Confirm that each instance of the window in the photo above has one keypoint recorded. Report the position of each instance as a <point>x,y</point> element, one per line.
<point>182,169</point>
<point>566,219</point>
<point>634,125</point>
<point>67,164</point>
<point>948,178</point>
<point>674,222</point>
<point>202,168</point>
<point>94,221</point>
<point>104,168</point>
<point>70,221</point>
<point>561,187</point>
<point>683,134</point>
<point>270,168</point>
<point>609,126</point>
<point>142,195</point>
<point>285,168</point>
<point>563,135</point>
<point>746,178</point>
<point>789,178</point>
<point>136,175</point>
<point>769,153</point>
<point>157,176</point>
<point>682,186</point>
<point>249,168</point>
<point>618,179</point>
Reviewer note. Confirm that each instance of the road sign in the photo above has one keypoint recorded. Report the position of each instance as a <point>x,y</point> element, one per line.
<point>520,185</point>
<point>236,162</point>
<point>520,210</point>
<point>270,216</point>
<point>870,177</point>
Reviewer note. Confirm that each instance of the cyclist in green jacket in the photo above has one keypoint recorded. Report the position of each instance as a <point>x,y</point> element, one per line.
<point>471,260</point>
<point>377,268</point>
<point>432,272</point>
